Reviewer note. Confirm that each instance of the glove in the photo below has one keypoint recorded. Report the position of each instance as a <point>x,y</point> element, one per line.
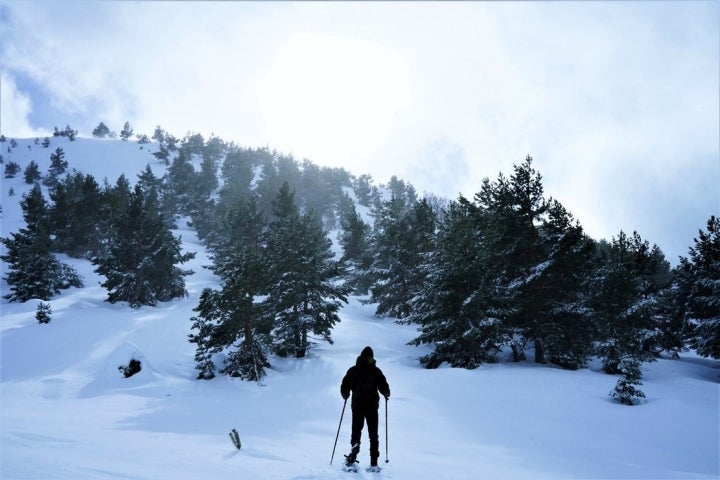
<point>345,395</point>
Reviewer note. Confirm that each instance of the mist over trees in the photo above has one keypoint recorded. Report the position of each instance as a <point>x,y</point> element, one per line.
<point>508,274</point>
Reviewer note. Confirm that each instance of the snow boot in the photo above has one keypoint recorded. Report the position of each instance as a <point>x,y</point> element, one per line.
<point>351,458</point>
<point>373,465</point>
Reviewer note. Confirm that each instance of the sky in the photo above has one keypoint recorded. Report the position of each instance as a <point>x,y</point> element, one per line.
<point>617,102</point>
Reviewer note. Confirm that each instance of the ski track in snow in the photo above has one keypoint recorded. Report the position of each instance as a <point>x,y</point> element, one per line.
<point>68,414</point>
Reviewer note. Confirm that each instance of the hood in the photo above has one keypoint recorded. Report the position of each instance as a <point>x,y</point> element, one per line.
<point>367,352</point>
<point>364,362</point>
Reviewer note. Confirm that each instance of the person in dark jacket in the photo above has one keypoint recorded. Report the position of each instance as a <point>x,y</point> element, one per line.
<point>364,380</point>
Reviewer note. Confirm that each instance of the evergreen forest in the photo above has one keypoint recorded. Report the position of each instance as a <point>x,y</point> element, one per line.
<point>506,275</point>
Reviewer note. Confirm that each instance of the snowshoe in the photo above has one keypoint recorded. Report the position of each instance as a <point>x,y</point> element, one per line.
<point>373,469</point>
<point>351,459</point>
<point>350,468</point>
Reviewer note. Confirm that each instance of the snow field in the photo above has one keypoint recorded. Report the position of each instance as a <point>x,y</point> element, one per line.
<point>67,412</point>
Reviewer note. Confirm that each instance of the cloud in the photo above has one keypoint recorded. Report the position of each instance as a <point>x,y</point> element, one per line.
<point>15,108</point>
<point>616,102</point>
<point>332,98</point>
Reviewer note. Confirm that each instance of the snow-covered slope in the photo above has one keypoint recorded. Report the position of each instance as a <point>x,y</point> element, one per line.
<point>67,412</point>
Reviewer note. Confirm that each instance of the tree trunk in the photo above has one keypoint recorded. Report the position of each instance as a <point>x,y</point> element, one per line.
<point>302,346</point>
<point>248,331</point>
<point>539,351</point>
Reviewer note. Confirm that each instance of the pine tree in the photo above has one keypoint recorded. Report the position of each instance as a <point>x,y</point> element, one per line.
<point>458,309</point>
<point>162,154</point>
<point>155,188</point>
<point>43,312</point>
<point>32,173</point>
<point>562,324</point>
<point>387,267</point>
<point>355,242</point>
<point>364,190</point>
<point>514,208</point>
<point>159,134</point>
<point>204,326</point>
<point>698,279</point>
<point>403,239</point>
<point>232,319</point>
<point>192,144</point>
<point>625,288</point>
<point>237,173</point>
<point>126,132</point>
<point>303,297</point>
<point>70,133</point>
<point>32,270</point>
<point>181,184</point>
<point>625,391</point>
<point>58,165</point>
<point>11,169</point>
<point>507,269</point>
<point>75,216</point>
<point>141,264</point>
<point>101,131</point>
<point>115,200</point>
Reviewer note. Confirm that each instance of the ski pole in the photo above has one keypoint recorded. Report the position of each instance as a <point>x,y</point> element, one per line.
<point>386,432</point>
<point>338,432</point>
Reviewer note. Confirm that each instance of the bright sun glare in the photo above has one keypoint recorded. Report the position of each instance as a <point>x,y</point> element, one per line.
<point>328,94</point>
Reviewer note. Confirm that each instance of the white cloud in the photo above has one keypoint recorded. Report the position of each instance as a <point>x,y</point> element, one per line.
<point>15,108</point>
<point>607,97</point>
<point>332,98</point>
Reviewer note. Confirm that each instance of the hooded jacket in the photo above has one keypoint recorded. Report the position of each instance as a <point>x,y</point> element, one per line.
<point>364,380</point>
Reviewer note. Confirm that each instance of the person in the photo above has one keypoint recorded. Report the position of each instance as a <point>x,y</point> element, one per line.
<point>364,380</point>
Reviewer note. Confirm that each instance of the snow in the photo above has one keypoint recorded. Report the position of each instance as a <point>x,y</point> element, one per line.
<point>68,413</point>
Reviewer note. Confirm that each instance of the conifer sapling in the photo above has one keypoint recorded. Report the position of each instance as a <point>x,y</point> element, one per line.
<point>42,314</point>
<point>625,391</point>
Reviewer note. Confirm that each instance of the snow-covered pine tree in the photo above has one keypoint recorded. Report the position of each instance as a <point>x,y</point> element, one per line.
<point>201,202</point>
<point>162,154</point>
<point>116,199</point>
<point>625,291</point>
<point>304,296</point>
<point>75,216</point>
<point>149,183</point>
<point>140,266</point>
<point>513,209</point>
<point>203,329</point>
<point>207,180</point>
<point>457,307</point>
<point>365,191</point>
<point>404,236</point>
<point>231,319</point>
<point>237,173</point>
<point>698,278</point>
<point>43,312</point>
<point>154,187</point>
<point>58,165</point>
<point>355,242</point>
<point>32,173</point>
<point>509,268</point>
<point>181,184</point>
<point>625,390</point>
<point>126,132</point>
<point>101,131</point>
<point>192,144</point>
<point>32,270</point>
<point>11,169</point>
<point>563,323</point>
<point>389,289</point>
